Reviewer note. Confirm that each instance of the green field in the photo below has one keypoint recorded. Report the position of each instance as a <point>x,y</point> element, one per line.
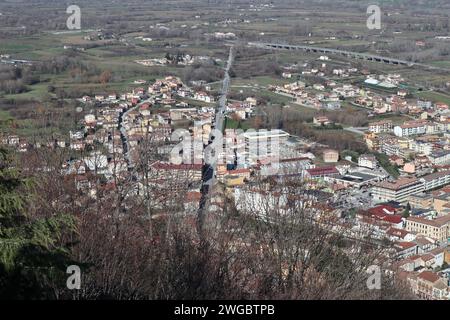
<point>233,124</point>
<point>36,92</point>
<point>444,63</point>
<point>4,115</point>
<point>435,97</point>
<point>396,119</point>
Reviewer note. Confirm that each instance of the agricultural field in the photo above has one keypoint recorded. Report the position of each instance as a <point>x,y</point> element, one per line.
<point>435,97</point>
<point>103,54</point>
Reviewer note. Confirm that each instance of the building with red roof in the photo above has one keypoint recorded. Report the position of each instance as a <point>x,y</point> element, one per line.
<point>322,172</point>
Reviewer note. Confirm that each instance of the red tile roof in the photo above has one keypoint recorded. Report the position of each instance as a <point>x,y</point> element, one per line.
<point>429,276</point>
<point>382,209</point>
<point>427,257</point>
<point>405,245</point>
<point>171,166</point>
<point>295,159</point>
<point>396,219</point>
<point>193,196</point>
<point>398,184</point>
<point>385,213</point>
<point>322,171</point>
<point>400,233</point>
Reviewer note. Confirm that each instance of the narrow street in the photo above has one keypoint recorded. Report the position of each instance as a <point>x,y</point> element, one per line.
<point>124,136</point>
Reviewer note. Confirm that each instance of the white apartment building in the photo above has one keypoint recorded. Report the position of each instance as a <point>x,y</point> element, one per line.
<point>435,180</point>
<point>392,148</point>
<point>402,188</point>
<point>440,157</point>
<point>367,161</point>
<point>411,128</point>
<point>264,143</point>
<point>398,190</point>
<point>288,167</point>
<point>434,128</point>
<point>421,147</point>
<point>380,126</point>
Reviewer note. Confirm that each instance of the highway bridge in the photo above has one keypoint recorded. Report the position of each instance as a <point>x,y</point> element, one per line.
<point>348,54</point>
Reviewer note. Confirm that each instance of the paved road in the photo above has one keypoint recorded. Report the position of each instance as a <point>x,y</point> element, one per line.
<point>223,97</point>
<point>209,170</point>
<point>220,112</point>
<point>359,131</point>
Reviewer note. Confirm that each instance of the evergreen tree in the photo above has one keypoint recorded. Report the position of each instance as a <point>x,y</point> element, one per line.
<point>407,211</point>
<point>32,259</point>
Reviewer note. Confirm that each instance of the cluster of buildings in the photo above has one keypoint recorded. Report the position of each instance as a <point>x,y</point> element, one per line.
<point>416,235</point>
<point>316,96</point>
<point>409,213</point>
<point>410,210</point>
<point>419,149</point>
<point>378,93</point>
<point>181,59</point>
<point>417,146</point>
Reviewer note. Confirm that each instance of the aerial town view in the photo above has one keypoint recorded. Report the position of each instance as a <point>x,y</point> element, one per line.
<point>224,150</point>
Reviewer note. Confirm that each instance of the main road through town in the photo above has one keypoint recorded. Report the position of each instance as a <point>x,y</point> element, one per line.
<point>209,169</point>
